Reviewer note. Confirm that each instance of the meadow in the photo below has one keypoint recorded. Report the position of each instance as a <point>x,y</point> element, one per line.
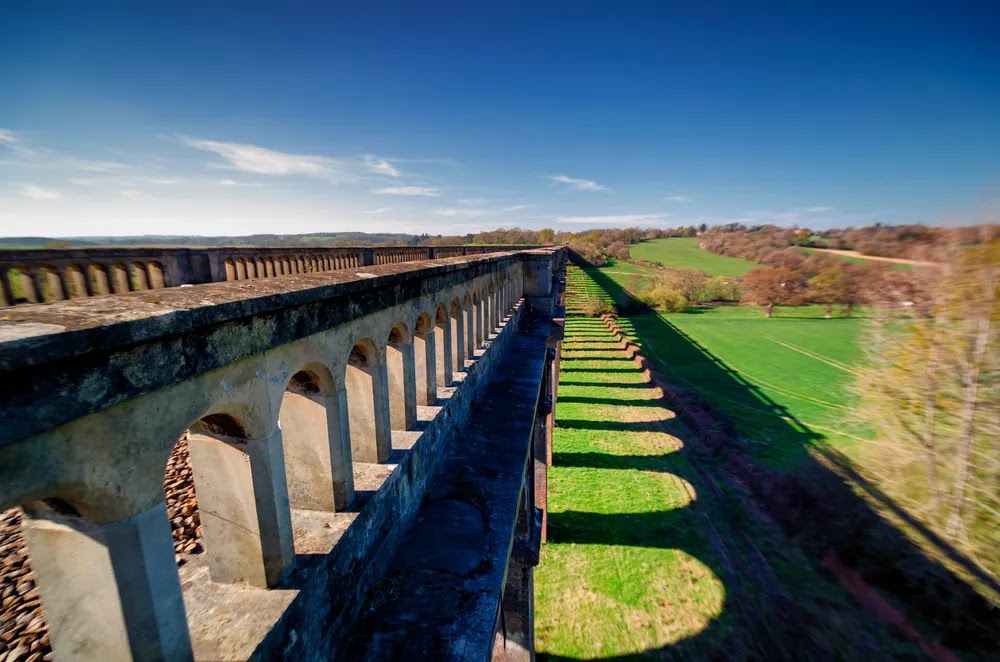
<point>785,381</point>
<point>684,252</point>
<point>648,555</point>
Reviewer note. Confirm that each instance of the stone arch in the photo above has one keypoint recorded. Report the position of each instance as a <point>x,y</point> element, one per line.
<point>477,315</point>
<point>156,273</point>
<point>469,322</point>
<point>230,270</point>
<point>366,402</point>
<point>317,459</point>
<point>76,282</point>
<point>137,277</point>
<point>400,371</point>
<point>51,284</point>
<point>100,281</point>
<point>424,359</point>
<point>457,336</point>
<point>442,343</point>
<point>242,497</point>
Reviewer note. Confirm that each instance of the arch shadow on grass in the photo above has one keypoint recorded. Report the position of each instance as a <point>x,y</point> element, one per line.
<point>772,609</point>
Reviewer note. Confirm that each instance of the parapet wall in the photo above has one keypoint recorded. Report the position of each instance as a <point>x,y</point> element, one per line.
<point>320,408</point>
<point>44,275</point>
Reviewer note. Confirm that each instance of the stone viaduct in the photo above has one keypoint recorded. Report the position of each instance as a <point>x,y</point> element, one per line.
<point>35,276</point>
<point>368,447</point>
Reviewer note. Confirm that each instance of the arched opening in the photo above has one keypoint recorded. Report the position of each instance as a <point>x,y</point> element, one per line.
<point>491,311</point>
<point>424,353</point>
<point>366,404</point>
<point>76,282</point>
<point>100,283</point>
<point>241,270</point>
<point>230,270</point>
<point>457,338</point>
<point>157,280</point>
<point>317,463</point>
<point>468,319</point>
<point>399,362</point>
<point>51,284</point>
<point>119,278</point>
<point>442,344</point>
<point>137,274</point>
<point>477,320</point>
<point>243,502</point>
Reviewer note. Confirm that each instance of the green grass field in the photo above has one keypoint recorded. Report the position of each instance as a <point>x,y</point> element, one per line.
<point>648,555</point>
<point>684,252</point>
<point>785,381</point>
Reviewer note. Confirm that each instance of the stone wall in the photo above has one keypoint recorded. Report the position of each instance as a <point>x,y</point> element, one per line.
<point>321,408</point>
<point>35,276</point>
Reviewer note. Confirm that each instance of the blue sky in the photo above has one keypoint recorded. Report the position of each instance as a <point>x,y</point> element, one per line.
<point>235,118</point>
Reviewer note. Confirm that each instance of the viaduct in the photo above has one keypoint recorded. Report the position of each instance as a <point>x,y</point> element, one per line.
<point>37,276</point>
<point>367,431</point>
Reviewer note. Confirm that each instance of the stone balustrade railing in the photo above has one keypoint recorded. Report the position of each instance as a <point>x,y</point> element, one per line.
<point>35,276</point>
<point>316,413</point>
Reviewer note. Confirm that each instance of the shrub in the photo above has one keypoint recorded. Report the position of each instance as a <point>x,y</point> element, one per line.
<point>666,300</point>
<point>595,307</point>
<point>719,289</point>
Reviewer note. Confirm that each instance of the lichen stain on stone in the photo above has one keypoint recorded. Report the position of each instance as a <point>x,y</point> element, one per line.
<point>281,374</point>
<point>93,388</point>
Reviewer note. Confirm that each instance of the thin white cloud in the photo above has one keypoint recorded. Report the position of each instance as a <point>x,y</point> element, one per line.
<point>677,198</point>
<point>380,210</point>
<point>578,184</point>
<point>135,194</point>
<point>264,161</point>
<point>428,191</point>
<point>614,219</point>
<point>815,210</point>
<point>7,137</point>
<point>472,201</point>
<point>233,182</point>
<point>380,166</point>
<point>476,212</point>
<point>464,212</point>
<point>39,193</point>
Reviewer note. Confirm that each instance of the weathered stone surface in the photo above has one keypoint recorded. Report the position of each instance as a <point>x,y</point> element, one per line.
<point>115,390</point>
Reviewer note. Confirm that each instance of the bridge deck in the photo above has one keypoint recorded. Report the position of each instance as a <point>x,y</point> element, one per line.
<point>441,594</point>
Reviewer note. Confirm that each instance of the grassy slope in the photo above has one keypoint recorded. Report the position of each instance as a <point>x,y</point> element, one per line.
<point>785,381</point>
<point>646,553</point>
<point>684,252</point>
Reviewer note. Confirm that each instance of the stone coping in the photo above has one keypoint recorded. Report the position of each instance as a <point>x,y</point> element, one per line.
<point>35,334</point>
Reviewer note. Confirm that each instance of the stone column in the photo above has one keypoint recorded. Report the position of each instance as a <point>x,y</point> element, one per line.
<point>38,286</point>
<point>402,385</point>
<point>383,423</point>
<point>425,369</point>
<point>442,343</point>
<point>458,347</point>
<point>6,292</point>
<point>244,505</point>
<point>317,470</point>
<point>110,591</point>
<point>470,332</point>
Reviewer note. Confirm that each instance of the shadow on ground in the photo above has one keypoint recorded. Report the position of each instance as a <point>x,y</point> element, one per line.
<point>774,609</point>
